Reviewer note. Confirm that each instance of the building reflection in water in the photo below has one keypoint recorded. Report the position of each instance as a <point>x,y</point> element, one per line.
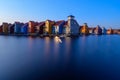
<point>47,49</point>
<point>67,49</point>
<point>56,49</point>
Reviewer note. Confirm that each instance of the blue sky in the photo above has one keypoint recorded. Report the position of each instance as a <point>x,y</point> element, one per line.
<point>103,12</point>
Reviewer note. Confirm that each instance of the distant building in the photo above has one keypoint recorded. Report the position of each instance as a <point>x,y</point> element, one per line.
<point>1,30</point>
<point>48,26</point>
<point>24,28</point>
<point>91,30</point>
<point>116,31</point>
<point>66,28</point>
<point>58,27</point>
<point>98,30</point>
<point>5,27</point>
<point>40,28</point>
<point>74,26</point>
<point>84,29</point>
<point>17,27</point>
<point>110,31</point>
<point>11,28</point>
<point>104,31</point>
<point>31,26</point>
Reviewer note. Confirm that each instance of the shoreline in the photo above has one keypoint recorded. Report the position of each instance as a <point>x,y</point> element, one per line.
<point>51,35</point>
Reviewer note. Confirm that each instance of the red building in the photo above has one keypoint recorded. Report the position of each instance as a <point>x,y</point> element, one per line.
<point>1,30</point>
<point>31,26</point>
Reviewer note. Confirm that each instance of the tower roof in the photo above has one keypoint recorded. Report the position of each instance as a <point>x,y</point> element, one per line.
<point>71,16</point>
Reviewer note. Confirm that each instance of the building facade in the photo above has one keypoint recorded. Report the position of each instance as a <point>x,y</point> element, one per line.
<point>66,29</point>
<point>5,28</point>
<point>58,27</point>
<point>48,26</point>
<point>24,28</point>
<point>74,26</point>
<point>31,26</point>
<point>85,29</point>
<point>17,27</point>
<point>110,31</point>
<point>98,30</point>
<point>104,30</point>
<point>40,28</point>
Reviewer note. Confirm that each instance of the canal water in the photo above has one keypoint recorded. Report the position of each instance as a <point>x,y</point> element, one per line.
<point>81,58</point>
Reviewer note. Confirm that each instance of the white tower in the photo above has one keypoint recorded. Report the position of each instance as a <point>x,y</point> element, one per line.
<point>73,25</point>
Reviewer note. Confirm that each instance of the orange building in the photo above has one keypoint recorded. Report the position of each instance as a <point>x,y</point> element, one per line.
<point>84,29</point>
<point>110,31</point>
<point>31,26</point>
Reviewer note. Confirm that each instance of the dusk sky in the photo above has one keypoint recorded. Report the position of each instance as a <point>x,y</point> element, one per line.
<point>103,12</point>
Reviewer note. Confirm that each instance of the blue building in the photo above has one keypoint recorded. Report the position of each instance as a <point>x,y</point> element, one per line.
<point>58,27</point>
<point>24,29</point>
<point>17,27</point>
<point>104,31</point>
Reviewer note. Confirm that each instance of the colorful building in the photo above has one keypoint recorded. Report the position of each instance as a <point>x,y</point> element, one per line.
<point>74,26</point>
<point>84,29</point>
<point>48,26</point>
<point>5,27</point>
<point>110,31</point>
<point>11,28</point>
<point>98,30</point>
<point>31,26</point>
<point>91,30</point>
<point>24,28</point>
<point>40,28</point>
<point>104,30</point>
<point>58,27</point>
<point>1,30</point>
<point>17,27</point>
<point>66,28</point>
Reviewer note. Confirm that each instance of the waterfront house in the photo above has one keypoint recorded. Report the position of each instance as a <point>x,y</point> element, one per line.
<point>11,28</point>
<point>24,28</point>
<point>110,31</point>
<point>91,30</point>
<point>40,28</point>
<point>73,24</point>
<point>1,29</point>
<point>48,26</point>
<point>31,26</point>
<point>5,27</point>
<point>66,28</point>
<point>98,30</point>
<point>58,27</point>
<point>104,30</point>
<point>116,31</point>
<point>17,27</point>
<point>84,29</point>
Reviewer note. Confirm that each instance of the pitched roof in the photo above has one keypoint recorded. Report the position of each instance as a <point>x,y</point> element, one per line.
<point>71,16</point>
<point>49,20</point>
<point>59,22</point>
<point>41,24</point>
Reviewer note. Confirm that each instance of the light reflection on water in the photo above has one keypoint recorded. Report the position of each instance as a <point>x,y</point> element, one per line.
<point>84,57</point>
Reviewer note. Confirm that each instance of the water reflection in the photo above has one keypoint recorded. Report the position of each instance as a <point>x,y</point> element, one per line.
<point>85,57</point>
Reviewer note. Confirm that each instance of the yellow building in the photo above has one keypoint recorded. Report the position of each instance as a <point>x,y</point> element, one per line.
<point>84,29</point>
<point>48,26</point>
